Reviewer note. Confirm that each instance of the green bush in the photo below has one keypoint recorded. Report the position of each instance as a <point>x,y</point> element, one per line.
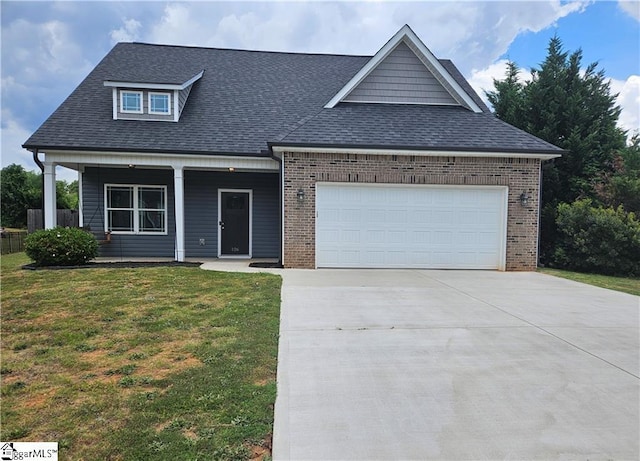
<point>596,239</point>
<point>61,246</point>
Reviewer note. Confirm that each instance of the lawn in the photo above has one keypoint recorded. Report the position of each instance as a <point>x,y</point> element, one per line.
<point>157,363</point>
<point>624,284</point>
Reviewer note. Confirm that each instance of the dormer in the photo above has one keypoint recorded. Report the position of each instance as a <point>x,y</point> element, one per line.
<point>405,71</point>
<point>150,101</point>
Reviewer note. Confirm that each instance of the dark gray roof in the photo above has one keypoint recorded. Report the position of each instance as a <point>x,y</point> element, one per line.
<point>160,64</point>
<point>455,73</point>
<point>400,125</point>
<point>247,99</point>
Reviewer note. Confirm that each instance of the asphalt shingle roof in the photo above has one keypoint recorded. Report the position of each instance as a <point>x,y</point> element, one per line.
<point>401,125</point>
<point>246,99</point>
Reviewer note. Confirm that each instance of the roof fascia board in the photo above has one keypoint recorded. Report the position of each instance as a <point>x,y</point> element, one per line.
<point>154,86</point>
<point>159,160</point>
<point>405,33</point>
<point>279,149</point>
<point>368,67</point>
<point>444,74</point>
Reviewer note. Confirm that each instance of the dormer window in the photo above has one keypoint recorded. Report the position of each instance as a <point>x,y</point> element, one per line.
<point>139,100</point>
<point>131,102</point>
<point>159,103</point>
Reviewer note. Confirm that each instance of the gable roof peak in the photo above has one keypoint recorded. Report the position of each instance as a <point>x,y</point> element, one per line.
<point>407,36</point>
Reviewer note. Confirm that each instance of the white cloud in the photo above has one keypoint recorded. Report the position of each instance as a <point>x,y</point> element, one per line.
<point>628,91</point>
<point>13,136</point>
<point>129,32</point>
<point>629,101</point>
<point>482,80</point>
<point>39,50</point>
<point>632,8</point>
<point>473,34</point>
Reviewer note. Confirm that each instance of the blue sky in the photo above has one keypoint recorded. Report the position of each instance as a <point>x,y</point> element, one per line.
<point>49,47</point>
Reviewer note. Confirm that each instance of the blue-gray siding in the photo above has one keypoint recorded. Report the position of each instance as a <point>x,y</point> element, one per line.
<point>182,98</point>
<point>401,78</point>
<point>93,181</point>
<point>145,106</point>
<point>201,211</point>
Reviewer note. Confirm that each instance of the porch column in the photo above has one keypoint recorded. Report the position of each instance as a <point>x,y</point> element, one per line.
<point>178,185</point>
<point>49,204</point>
<point>80,209</point>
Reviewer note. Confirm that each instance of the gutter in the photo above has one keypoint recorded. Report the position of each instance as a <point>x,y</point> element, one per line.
<point>41,166</point>
<point>413,150</point>
<point>281,204</point>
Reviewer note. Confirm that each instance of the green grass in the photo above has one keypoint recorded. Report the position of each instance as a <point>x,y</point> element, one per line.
<point>624,284</point>
<point>155,363</point>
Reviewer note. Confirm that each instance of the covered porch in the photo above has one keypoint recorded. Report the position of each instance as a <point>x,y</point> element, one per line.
<point>203,207</point>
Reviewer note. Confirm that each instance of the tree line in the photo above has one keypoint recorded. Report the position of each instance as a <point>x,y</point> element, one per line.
<point>591,195</point>
<point>21,190</point>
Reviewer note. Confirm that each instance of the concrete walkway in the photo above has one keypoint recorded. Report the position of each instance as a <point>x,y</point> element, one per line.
<point>409,364</point>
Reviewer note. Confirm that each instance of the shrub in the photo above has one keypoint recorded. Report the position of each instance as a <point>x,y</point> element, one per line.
<point>61,246</point>
<point>596,239</point>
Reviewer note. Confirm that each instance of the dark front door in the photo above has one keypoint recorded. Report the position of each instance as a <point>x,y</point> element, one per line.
<point>234,223</point>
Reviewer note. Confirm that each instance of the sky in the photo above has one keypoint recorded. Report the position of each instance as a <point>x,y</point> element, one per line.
<point>48,48</point>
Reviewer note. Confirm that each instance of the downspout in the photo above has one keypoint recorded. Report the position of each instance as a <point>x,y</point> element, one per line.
<point>539,215</point>
<point>280,203</point>
<point>41,166</point>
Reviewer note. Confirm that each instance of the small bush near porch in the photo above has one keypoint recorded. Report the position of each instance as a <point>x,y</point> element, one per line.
<point>150,363</point>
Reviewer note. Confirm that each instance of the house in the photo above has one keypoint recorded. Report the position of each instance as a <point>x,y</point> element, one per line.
<point>384,161</point>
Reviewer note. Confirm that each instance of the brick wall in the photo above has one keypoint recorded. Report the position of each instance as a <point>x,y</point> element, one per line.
<point>303,170</point>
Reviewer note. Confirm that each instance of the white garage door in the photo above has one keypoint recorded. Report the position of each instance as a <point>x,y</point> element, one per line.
<point>388,226</point>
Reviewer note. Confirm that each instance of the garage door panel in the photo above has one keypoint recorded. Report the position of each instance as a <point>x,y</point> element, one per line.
<point>350,215</point>
<point>350,236</point>
<point>410,226</point>
<point>374,236</point>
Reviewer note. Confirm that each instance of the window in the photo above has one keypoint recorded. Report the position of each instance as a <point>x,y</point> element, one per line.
<point>131,102</point>
<point>159,103</point>
<point>136,209</point>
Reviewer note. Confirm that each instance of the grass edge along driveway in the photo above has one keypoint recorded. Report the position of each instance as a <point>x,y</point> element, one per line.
<point>137,364</point>
<point>624,284</point>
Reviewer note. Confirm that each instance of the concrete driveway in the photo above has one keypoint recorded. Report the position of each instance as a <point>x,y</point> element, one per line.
<point>410,364</point>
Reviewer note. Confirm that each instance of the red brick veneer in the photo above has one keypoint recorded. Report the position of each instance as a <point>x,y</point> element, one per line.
<point>303,170</point>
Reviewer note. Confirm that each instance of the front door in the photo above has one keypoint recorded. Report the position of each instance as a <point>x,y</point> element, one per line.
<point>234,220</point>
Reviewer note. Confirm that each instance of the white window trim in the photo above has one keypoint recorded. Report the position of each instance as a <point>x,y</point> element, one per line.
<point>157,93</point>
<point>136,209</point>
<point>140,93</point>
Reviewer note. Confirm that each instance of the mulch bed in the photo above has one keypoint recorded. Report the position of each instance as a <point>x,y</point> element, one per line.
<point>267,265</point>
<point>114,265</point>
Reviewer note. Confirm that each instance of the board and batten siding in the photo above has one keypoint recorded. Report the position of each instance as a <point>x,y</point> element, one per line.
<point>401,78</point>
<point>201,211</point>
<point>123,245</point>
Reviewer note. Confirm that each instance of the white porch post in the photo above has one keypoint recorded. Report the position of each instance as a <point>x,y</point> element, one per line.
<point>49,195</point>
<point>178,185</point>
<point>80,212</point>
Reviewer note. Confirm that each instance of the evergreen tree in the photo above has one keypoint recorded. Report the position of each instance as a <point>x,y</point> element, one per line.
<point>622,186</point>
<point>572,109</point>
<point>508,98</point>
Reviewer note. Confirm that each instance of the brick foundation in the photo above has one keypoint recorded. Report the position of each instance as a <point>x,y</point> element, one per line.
<point>303,170</point>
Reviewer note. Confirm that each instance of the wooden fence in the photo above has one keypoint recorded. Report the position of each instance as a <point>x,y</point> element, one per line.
<point>64,218</point>
<point>13,241</point>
